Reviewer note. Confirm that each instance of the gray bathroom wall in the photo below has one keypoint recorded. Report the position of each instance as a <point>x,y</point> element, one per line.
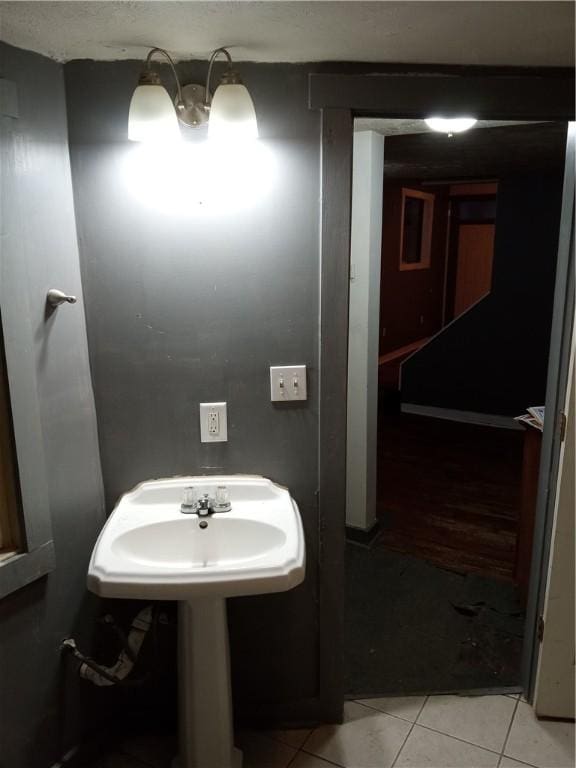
<point>40,712</point>
<point>194,305</point>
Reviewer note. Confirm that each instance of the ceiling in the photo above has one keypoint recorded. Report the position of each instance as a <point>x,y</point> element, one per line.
<point>491,153</point>
<point>535,33</point>
<point>401,127</point>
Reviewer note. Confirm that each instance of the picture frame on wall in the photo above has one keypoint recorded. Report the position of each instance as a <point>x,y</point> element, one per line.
<point>416,229</point>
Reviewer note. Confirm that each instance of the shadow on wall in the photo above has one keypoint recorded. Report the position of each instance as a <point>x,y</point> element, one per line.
<point>494,358</point>
<point>42,707</point>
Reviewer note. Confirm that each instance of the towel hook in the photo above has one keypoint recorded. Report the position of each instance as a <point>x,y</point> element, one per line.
<point>55,297</point>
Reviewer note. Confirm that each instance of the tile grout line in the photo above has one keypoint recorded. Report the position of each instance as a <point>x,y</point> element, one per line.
<point>471,743</point>
<point>509,729</point>
<point>426,727</point>
<point>297,750</point>
<point>313,754</point>
<point>382,712</point>
<point>372,709</point>
<point>443,733</point>
<point>293,758</point>
<point>301,748</point>
<point>291,761</point>
<point>409,732</point>
<point>458,738</point>
<point>520,762</point>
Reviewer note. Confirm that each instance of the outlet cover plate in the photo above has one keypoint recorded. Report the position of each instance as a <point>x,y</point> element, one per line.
<point>287,383</point>
<point>213,423</point>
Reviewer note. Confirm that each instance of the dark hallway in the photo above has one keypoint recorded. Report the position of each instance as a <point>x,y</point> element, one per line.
<point>449,492</point>
<point>431,605</point>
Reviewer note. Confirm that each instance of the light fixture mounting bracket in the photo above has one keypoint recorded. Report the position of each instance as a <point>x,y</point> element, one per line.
<point>192,110</point>
<point>193,107</point>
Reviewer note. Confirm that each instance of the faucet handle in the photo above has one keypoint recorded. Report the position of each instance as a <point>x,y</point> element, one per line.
<point>222,499</point>
<point>190,496</point>
<point>189,499</point>
<point>222,495</point>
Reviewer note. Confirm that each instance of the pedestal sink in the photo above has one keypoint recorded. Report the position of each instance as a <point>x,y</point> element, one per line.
<point>150,550</point>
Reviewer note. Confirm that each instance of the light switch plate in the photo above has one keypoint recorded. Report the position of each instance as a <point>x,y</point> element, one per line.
<point>213,423</point>
<point>287,383</point>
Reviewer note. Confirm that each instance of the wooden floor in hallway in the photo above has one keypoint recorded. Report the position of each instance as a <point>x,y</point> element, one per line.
<point>449,492</point>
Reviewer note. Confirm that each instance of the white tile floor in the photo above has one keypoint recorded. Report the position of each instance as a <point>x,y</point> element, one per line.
<point>409,732</point>
<point>423,732</point>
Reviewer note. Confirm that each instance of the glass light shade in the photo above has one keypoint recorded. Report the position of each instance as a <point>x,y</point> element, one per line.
<point>152,116</point>
<point>232,114</point>
<point>450,124</point>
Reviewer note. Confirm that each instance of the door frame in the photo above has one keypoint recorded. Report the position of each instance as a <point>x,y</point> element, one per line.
<point>396,92</point>
<point>556,388</point>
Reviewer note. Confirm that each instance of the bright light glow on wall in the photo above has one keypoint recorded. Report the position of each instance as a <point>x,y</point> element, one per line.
<point>194,178</point>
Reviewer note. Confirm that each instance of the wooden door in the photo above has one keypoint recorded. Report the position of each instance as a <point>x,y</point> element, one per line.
<point>474,265</point>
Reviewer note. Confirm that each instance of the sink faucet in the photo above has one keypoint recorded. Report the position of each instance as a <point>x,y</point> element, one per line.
<point>205,505</point>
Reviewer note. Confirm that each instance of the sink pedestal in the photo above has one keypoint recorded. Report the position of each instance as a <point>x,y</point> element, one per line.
<point>206,734</point>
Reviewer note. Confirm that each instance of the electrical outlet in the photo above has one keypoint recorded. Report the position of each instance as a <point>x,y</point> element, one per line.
<point>213,423</point>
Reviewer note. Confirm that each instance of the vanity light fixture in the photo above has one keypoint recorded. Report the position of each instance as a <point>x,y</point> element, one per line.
<point>450,125</point>
<point>230,112</point>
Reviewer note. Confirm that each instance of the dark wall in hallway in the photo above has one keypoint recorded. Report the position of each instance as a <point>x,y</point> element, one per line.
<point>194,305</point>
<point>494,358</point>
<point>41,715</point>
<point>410,300</point>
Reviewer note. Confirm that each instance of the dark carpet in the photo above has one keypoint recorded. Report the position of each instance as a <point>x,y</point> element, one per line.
<point>412,627</point>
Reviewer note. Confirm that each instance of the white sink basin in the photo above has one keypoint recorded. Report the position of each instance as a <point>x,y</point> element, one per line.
<point>149,549</point>
<point>177,544</point>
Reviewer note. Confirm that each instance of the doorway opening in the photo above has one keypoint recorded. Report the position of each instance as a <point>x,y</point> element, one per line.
<point>453,253</point>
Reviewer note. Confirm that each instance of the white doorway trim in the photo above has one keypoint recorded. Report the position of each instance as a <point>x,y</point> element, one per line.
<point>363,330</point>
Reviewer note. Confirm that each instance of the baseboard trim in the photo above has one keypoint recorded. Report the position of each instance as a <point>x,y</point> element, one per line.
<point>361,537</point>
<point>466,417</point>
